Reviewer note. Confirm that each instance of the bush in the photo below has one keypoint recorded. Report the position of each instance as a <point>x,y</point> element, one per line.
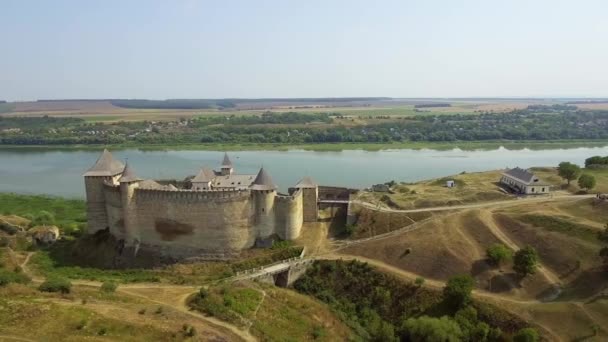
<point>525,261</point>
<point>457,291</point>
<point>586,182</point>
<point>109,287</point>
<point>419,281</point>
<point>56,284</point>
<point>188,330</point>
<point>7,277</point>
<point>142,311</point>
<point>431,329</point>
<point>498,254</point>
<point>44,218</point>
<point>526,335</point>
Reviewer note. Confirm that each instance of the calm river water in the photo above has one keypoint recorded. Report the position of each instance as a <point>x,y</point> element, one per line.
<point>60,172</point>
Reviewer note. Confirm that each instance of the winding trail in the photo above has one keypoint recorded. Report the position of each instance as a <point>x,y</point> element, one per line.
<point>179,304</point>
<point>506,203</point>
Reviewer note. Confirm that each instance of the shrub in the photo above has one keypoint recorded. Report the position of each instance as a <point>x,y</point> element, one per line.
<point>109,286</point>
<point>586,181</point>
<point>318,332</point>
<point>159,310</point>
<point>188,330</point>
<point>102,332</point>
<point>525,261</point>
<point>142,311</point>
<point>498,254</point>
<point>56,284</point>
<point>432,329</point>
<point>457,291</point>
<point>419,281</point>
<point>44,218</point>
<point>526,335</point>
<point>7,277</point>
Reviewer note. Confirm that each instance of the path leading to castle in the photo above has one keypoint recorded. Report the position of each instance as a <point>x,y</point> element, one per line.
<point>174,297</point>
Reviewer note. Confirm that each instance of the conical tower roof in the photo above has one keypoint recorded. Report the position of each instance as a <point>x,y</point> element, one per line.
<point>128,175</point>
<point>306,182</point>
<point>226,162</point>
<point>105,166</point>
<point>263,181</point>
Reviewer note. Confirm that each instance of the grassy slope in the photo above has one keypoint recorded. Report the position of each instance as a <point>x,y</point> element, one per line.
<point>274,314</point>
<point>67,212</point>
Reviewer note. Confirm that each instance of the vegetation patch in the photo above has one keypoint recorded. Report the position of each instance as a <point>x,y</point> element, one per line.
<point>43,263</point>
<point>234,304</point>
<point>562,226</point>
<point>377,306</point>
<point>68,214</point>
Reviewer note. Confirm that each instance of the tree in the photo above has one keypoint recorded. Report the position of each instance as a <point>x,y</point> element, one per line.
<point>458,290</point>
<point>568,171</point>
<point>526,335</point>
<point>586,181</point>
<point>525,261</point>
<point>431,329</point>
<point>498,253</point>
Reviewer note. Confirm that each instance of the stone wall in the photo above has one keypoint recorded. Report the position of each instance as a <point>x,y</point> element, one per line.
<point>114,212</point>
<point>185,223</point>
<point>288,215</point>
<point>96,207</point>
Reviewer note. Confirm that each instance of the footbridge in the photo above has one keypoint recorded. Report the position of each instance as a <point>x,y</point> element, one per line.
<point>282,273</point>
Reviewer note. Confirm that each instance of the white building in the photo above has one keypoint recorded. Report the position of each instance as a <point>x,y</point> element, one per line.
<point>524,182</point>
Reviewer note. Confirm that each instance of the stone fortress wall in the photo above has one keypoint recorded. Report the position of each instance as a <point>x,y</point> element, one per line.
<point>182,223</point>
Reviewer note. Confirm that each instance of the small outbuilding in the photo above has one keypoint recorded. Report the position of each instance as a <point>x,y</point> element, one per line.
<point>450,184</point>
<point>524,182</point>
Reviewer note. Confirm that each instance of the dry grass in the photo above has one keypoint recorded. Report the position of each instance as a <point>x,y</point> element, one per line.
<point>470,188</point>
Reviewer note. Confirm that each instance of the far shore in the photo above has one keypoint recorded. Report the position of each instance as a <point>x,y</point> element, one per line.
<point>463,145</point>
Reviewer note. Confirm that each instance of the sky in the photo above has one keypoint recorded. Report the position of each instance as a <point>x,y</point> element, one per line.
<point>159,49</point>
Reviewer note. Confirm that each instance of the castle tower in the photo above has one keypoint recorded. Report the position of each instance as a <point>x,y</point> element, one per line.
<point>310,195</point>
<point>128,183</point>
<point>106,169</point>
<point>264,192</point>
<point>227,168</point>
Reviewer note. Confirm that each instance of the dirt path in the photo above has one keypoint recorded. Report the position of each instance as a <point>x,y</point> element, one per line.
<point>488,219</point>
<point>502,204</point>
<point>178,304</point>
<point>14,338</point>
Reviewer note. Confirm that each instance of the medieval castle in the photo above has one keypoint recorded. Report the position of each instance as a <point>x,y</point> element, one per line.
<point>213,213</point>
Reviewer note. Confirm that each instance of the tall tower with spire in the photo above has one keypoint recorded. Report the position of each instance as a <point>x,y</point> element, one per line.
<point>106,169</point>
<point>227,168</point>
<point>263,191</point>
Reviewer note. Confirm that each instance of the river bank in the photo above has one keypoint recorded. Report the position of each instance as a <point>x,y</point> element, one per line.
<point>410,145</point>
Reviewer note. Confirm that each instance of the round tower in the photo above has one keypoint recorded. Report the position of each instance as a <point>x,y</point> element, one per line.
<point>105,170</point>
<point>128,183</point>
<point>263,192</point>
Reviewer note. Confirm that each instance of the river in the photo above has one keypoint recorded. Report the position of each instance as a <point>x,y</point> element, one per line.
<point>60,172</point>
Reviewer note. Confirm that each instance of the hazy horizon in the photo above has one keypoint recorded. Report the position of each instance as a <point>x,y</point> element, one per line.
<point>70,49</point>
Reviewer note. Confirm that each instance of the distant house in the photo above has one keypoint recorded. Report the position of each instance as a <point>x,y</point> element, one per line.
<point>524,182</point>
<point>380,188</point>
